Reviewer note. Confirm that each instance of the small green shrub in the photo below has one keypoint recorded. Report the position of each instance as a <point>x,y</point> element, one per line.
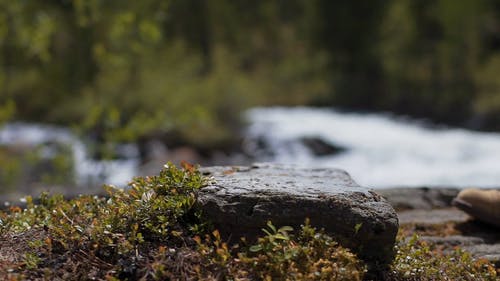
<point>309,256</point>
<point>112,230</point>
<point>418,260</point>
<point>278,255</point>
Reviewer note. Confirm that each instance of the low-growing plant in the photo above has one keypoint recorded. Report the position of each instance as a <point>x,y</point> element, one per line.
<point>311,255</point>
<point>153,231</point>
<point>419,260</point>
<point>278,255</point>
<point>113,229</point>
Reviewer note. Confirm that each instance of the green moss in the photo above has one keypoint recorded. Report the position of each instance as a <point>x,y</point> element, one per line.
<point>153,231</point>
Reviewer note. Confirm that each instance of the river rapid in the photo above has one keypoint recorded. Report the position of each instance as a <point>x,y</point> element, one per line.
<point>381,150</point>
<point>378,150</point>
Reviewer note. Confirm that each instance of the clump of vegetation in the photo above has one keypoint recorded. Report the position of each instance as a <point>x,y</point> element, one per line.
<point>419,260</point>
<point>108,233</point>
<point>153,231</point>
<point>309,256</point>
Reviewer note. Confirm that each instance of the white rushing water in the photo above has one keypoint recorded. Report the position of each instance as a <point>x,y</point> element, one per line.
<point>88,171</point>
<point>380,151</point>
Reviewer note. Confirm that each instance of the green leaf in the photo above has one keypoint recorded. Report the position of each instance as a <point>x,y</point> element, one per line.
<point>255,248</point>
<point>357,227</point>
<point>281,237</point>
<point>267,232</point>
<point>285,229</point>
<point>271,226</point>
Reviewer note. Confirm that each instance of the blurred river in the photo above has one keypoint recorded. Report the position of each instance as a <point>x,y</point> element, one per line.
<point>48,139</point>
<point>377,150</point>
<point>380,150</point>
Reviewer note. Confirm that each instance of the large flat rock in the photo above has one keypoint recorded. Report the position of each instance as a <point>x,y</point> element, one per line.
<point>240,200</point>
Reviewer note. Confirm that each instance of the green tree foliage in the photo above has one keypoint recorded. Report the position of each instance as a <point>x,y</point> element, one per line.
<point>348,30</point>
<point>430,67</point>
<point>131,69</point>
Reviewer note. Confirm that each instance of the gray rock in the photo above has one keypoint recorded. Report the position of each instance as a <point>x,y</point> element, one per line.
<point>319,147</point>
<point>434,216</point>
<point>454,240</point>
<point>423,198</point>
<point>478,247</point>
<point>490,252</point>
<point>240,201</point>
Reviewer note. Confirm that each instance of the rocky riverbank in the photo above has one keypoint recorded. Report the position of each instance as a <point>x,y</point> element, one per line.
<point>428,213</point>
<point>146,232</point>
<point>424,211</point>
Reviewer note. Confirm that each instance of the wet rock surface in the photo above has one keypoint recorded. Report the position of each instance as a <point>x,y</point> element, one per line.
<point>240,200</point>
<point>429,213</point>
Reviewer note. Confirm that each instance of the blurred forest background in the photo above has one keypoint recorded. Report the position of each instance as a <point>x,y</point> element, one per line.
<point>122,71</point>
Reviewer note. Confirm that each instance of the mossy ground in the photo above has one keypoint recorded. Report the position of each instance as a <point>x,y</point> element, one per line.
<point>153,231</point>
